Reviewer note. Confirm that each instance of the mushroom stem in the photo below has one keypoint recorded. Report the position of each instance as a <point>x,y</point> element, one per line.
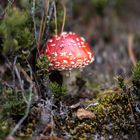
<point>69,79</point>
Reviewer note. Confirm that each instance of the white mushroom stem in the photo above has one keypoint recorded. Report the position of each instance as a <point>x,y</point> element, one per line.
<point>69,79</point>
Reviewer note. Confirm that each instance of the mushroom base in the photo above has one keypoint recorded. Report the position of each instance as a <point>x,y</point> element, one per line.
<point>69,79</point>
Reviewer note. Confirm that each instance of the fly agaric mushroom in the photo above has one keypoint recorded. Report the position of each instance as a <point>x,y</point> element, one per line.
<point>68,51</point>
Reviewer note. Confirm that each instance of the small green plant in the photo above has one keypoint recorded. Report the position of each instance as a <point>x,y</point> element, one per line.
<point>16,31</point>
<point>13,103</point>
<point>12,109</point>
<point>57,90</point>
<point>136,75</point>
<point>121,81</point>
<point>43,66</point>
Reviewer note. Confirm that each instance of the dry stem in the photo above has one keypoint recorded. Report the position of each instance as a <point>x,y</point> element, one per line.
<point>130,48</point>
<point>64,16</point>
<point>28,101</point>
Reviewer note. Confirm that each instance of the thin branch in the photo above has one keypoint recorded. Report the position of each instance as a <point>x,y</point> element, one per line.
<point>48,20</point>
<point>21,120</point>
<point>55,15</point>
<point>64,16</point>
<point>130,48</point>
<point>49,17</point>
<point>40,32</point>
<point>28,102</point>
<point>46,116</point>
<point>21,82</point>
<point>52,123</point>
<point>33,17</point>
<point>47,3</point>
<point>10,3</point>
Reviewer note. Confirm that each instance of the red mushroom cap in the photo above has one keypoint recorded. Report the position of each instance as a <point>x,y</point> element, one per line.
<point>67,51</point>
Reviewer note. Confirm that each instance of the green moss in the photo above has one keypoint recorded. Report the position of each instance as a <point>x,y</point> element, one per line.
<point>16,31</point>
<point>136,74</point>
<point>12,103</point>
<point>81,131</point>
<point>5,127</point>
<point>12,109</point>
<point>93,86</point>
<point>58,91</point>
<point>109,103</point>
<point>43,66</point>
<point>112,116</point>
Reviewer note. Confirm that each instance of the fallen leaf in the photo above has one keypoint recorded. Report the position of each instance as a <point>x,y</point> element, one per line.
<point>84,114</point>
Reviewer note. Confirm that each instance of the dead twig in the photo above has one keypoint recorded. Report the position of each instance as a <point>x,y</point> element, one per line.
<point>10,3</point>
<point>47,3</point>
<point>55,15</point>
<point>130,49</point>
<point>33,17</point>
<point>49,18</point>
<point>21,82</point>
<point>46,117</point>
<point>40,32</point>
<point>64,16</point>
<point>28,101</point>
